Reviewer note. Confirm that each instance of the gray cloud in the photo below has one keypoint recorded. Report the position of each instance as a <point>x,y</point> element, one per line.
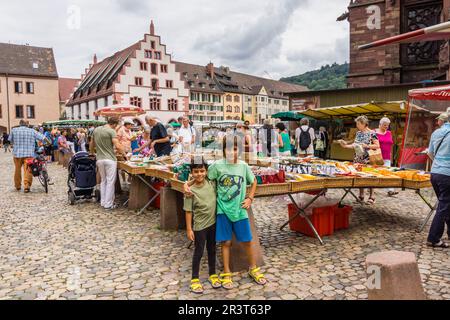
<point>318,56</point>
<point>247,42</point>
<point>138,7</point>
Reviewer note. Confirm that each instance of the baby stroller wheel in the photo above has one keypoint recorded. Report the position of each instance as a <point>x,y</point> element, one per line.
<point>97,195</point>
<point>71,198</point>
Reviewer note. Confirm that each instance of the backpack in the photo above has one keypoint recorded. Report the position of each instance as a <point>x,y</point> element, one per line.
<point>305,139</point>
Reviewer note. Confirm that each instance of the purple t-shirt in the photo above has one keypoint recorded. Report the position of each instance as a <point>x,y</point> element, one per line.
<point>386,143</point>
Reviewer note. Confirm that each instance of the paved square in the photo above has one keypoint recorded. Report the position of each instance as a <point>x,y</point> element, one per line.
<point>50,250</point>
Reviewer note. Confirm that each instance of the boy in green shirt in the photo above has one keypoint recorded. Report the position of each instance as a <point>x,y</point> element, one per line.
<point>202,208</point>
<point>232,177</point>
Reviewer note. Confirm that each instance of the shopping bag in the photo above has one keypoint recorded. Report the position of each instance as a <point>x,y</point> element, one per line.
<point>320,146</point>
<point>376,157</point>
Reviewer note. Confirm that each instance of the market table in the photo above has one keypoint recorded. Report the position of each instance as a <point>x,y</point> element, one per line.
<point>142,193</point>
<point>321,185</point>
<point>172,215</point>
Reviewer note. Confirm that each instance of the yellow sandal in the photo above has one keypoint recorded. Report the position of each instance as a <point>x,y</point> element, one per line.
<point>196,287</point>
<point>226,281</point>
<point>215,281</point>
<point>257,276</point>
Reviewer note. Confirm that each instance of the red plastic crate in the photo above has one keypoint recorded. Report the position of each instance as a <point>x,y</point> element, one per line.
<point>322,219</point>
<point>158,186</point>
<point>342,217</point>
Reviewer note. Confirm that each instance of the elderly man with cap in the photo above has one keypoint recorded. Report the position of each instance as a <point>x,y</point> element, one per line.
<point>439,151</point>
<point>442,119</point>
<point>159,140</point>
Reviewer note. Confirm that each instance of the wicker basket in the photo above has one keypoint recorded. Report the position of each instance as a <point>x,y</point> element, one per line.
<point>360,182</point>
<point>308,185</point>
<point>271,189</point>
<point>391,182</point>
<point>416,185</point>
<point>177,185</point>
<point>341,182</point>
<point>160,174</point>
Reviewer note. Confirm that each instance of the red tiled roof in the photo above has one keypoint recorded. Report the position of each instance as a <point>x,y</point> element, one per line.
<point>234,81</point>
<point>66,87</point>
<point>191,70</point>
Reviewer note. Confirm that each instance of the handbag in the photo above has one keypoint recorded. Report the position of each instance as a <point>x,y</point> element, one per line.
<point>320,146</point>
<point>376,157</point>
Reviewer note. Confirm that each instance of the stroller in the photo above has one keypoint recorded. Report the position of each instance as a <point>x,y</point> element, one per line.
<point>82,179</point>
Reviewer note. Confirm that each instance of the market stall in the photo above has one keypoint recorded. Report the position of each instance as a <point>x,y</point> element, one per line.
<point>67,124</point>
<point>424,106</point>
<point>342,126</point>
<point>290,176</point>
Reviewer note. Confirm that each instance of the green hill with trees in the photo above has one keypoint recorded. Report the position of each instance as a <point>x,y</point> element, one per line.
<point>328,77</point>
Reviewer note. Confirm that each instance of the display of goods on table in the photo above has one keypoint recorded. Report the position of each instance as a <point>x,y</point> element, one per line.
<point>413,179</point>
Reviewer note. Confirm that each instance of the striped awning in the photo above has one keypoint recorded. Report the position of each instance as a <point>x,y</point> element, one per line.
<point>437,32</point>
<point>373,108</point>
<point>433,93</point>
<point>119,111</point>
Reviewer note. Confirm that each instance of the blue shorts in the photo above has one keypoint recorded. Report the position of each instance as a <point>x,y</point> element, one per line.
<point>225,229</point>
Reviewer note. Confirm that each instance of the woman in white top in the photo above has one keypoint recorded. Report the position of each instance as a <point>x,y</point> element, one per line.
<point>301,140</point>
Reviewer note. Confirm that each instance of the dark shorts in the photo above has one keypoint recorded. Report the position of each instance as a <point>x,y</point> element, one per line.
<point>225,229</point>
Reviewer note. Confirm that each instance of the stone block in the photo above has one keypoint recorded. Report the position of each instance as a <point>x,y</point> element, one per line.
<point>172,216</point>
<point>399,277</point>
<point>238,258</point>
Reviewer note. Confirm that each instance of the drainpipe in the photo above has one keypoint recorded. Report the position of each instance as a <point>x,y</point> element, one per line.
<point>7,104</point>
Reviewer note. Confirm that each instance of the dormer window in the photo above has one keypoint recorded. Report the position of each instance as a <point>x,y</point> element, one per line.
<point>196,76</point>
<point>191,84</point>
<point>35,65</point>
<point>185,74</point>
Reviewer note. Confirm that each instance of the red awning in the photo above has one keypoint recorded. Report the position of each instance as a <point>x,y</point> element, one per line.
<point>437,32</point>
<point>433,93</point>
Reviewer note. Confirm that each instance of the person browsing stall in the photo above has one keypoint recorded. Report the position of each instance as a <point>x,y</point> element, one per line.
<point>304,137</point>
<point>439,151</point>
<point>159,140</point>
<point>365,140</point>
<point>186,136</point>
<point>386,142</point>
<point>103,143</point>
<point>442,119</point>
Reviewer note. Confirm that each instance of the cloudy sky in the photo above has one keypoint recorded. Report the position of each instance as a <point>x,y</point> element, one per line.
<point>261,37</point>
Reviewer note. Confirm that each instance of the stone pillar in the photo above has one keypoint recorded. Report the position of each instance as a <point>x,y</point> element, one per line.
<point>238,259</point>
<point>172,216</point>
<point>394,275</point>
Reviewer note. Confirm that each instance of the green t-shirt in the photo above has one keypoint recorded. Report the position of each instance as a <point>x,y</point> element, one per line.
<point>203,205</point>
<point>103,143</point>
<point>232,181</point>
<point>286,142</point>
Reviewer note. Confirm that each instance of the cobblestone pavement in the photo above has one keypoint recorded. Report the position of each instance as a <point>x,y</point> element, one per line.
<point>50,250</point>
